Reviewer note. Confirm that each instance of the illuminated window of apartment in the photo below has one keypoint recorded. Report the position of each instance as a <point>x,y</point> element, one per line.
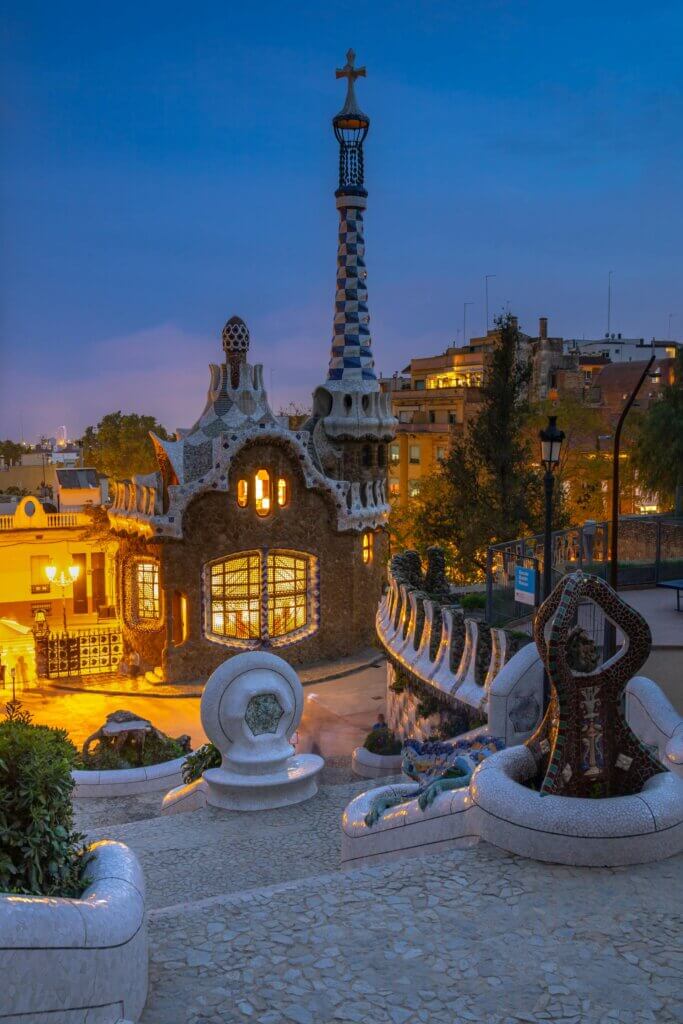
<point>394,453</point>
<point>235,597</point>
<point>147,603</point>
<point>394,488</point>
<point>414,454</point>
<point>40,584</point>
<point>287,594</point>
<point>441,454</point>
<point>242,493</point>
<point>247,609</point>
<point>414,488</point>
<point>282,492</point>
<point>262,492</point>
<point>368,544</point>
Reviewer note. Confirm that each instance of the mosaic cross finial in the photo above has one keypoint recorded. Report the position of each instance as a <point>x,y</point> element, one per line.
<point>351,73</point>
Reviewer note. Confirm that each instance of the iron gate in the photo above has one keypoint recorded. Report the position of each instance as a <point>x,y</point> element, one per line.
<point>80,652</point>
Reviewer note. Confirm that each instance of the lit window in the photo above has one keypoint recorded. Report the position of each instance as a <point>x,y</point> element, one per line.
<point>262,492</point>
<point>242,493</point>
<point>394,488</point>
<point>394,453</point>
<point>235,593</point>
<point>287,595</point>
<point>282,495</point>
<point>247,609</point>
<point>414,454</point>
<point>441,454</point>
<point>414,488</point>
<point>368,543</point>
<point>147,590</point>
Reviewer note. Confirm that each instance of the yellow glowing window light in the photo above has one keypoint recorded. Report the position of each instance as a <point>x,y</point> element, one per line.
<point>147,580</point>
<point>235,597</point>
<point>282,495</point>
<point>368,541</point>
<point>262,492</point>
<point>242,493</point>
<point>287,593</point>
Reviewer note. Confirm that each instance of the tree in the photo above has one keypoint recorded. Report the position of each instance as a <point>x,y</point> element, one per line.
<point>658,450</point>
<point>11,452</point>
<point>120,445</point>
<point>488,489</point>
<point>584,466</point>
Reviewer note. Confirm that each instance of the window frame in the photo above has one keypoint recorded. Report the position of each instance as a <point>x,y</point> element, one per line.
<point>266,600</point>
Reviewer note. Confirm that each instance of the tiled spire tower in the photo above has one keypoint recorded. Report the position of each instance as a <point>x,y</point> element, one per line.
<point>350,400</point>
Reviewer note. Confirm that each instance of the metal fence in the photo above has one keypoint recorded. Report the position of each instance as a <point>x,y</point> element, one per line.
<point>650,552</point>
<point>93,650</point>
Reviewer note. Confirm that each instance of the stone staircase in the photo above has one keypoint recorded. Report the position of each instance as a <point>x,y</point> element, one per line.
<point>251,919</point>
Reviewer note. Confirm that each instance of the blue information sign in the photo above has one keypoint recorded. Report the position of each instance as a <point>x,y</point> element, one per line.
<point>525,585</point>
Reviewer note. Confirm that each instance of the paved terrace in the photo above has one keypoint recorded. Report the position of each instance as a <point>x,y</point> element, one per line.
<point>251,919</point>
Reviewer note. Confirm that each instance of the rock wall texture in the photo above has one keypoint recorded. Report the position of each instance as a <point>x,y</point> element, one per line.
<point>215,527</point>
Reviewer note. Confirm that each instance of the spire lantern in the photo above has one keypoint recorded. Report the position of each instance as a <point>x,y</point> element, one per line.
<point>351,128</point>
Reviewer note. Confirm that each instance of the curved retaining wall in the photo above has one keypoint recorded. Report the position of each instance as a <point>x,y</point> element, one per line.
<point>75,961</point>
<point>373,766</point>
<point>154,778</point>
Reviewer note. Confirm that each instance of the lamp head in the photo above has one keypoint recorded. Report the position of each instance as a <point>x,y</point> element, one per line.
<point>51,572</point>
<point>74,571</point>
<point>551,443</point>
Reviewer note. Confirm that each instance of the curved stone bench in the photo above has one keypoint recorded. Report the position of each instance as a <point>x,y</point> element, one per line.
<point>76,960</point>
<point>655,721</point>
<point>614,831</point>
<point>405,828</point>
<point>153,778</point>
<point>373,766</point>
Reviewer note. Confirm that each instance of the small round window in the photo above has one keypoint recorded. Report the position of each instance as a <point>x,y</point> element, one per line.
<point>29,508</point>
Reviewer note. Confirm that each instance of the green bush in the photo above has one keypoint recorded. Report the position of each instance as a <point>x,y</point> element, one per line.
<point>471,601</point>
<point>196,763</point>
<point>155,750</point>
<point>382,741</point>
<point>40,853</point>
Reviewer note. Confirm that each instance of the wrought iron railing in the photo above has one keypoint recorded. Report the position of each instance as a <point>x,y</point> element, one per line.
<point>650,551</point>
<point>87,651</point>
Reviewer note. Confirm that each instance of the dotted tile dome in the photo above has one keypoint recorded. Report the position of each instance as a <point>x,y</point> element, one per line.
<point>235,335</point>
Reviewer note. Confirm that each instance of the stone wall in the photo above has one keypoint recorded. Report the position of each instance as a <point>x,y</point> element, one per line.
<point>214,527</point>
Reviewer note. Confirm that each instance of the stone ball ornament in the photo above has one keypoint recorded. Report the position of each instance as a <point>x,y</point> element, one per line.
<point>251,707</point>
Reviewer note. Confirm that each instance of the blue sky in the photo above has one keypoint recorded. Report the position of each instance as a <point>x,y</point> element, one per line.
<point>167,165</point>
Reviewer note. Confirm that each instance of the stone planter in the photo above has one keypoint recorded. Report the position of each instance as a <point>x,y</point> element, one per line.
<point>154,778</point>
<point>80,960</point>
<point>611,832</point>
<point>372,766</point>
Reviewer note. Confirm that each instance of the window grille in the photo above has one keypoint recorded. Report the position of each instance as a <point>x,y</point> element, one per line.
<point>147,590</point>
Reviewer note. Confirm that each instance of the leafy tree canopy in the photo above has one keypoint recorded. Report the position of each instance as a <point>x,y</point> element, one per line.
<point>488,489</point>
<point>120,446</point>
<point>658,451</point>
<point>11,452</point>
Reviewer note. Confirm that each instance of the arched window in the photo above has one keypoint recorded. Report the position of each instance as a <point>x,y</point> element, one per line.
<point>147,600</point>
<point>368,545</point>
<point>261,597</point>
<point>242,493</point>
<point>366,455</point>
<point>282,492</point>
<point>179,618</point>
<point>262,492</point>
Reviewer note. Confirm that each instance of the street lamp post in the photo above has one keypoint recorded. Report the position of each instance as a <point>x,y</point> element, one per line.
<point>551,443</point>
<point>63,581</point>
<point>610,632</point>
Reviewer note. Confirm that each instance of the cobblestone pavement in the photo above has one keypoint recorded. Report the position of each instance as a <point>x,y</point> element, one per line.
<point>251,920</point>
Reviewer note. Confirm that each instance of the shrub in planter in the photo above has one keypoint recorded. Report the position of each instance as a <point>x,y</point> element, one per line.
<point>472,601</point>
<point>196,763</point>
<point>382,741</point>
<point>155,750</point>
<point>40,853</point>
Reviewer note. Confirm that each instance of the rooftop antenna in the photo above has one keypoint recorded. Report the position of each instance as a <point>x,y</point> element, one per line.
<point>609,302</point>
<point>464,321</point>
<point>487,278</point>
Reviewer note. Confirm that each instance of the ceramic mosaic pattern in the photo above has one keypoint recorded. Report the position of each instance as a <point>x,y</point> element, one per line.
<point>351,356</point>
<point>263,714</point>
<point>584,746</point>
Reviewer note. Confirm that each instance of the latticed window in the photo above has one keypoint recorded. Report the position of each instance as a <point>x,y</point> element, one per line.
<point>246,604</point>
<point>368,542</point>
<point>235,596</point>
<point>147,604</point>
<point>287,593</point>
